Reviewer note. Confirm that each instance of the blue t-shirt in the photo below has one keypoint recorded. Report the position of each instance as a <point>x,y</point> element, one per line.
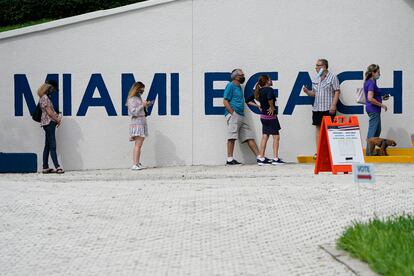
<point>371,85</point>
<point>234,94</point>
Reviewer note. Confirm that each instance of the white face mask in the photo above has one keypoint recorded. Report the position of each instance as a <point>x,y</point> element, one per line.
<point>320,72</point>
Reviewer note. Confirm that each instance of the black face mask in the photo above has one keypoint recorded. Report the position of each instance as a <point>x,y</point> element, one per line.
<point>242,80</point>
<point>51,92</point>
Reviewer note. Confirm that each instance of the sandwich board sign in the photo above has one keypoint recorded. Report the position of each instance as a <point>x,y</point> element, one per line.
<point>339,145</point>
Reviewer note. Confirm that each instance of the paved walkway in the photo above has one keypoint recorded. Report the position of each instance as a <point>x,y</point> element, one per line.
<point>244,220</point>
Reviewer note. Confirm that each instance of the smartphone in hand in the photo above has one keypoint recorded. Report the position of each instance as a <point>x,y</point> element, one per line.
<point>305,89</point>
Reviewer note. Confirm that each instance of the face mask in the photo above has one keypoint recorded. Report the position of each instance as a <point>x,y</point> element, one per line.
<point>320,72</point>
<point>242,79</point>
<point>377,77</point>
<point>51,92</point>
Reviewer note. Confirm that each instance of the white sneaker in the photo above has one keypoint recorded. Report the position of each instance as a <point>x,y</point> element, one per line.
<point>136,168</point>
<point>141,167</point>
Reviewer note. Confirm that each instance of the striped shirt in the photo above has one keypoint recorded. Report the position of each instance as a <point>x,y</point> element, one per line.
<point>324,91</point>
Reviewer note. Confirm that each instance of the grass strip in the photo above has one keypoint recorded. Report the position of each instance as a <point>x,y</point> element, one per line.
<point>387,245</point>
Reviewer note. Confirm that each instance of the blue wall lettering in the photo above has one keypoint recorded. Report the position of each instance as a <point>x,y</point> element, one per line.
<point>396,92</point>
<point>210,93</point>
<point>96,82</point>
<point>158,90</point>
<point>67,95</point>
<point>295,98</point>
<point>22,89</point>
<point>175,94</point>
<point>127,80</point>
<point>351,109</point>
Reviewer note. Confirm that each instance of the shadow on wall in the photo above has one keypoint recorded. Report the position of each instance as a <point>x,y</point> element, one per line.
<point>399,135</point>
<point>69,136</point>
<point>163,145</point>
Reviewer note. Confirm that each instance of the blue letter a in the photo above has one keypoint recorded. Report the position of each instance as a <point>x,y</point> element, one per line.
<point>96,82</point>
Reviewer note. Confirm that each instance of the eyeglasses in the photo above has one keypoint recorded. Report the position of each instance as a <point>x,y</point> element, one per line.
<point>319,65</point>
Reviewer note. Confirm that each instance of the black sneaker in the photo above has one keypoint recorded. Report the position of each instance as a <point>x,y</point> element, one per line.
<point>266,161</point>
<point>278,162</point>
<point>233,162</point>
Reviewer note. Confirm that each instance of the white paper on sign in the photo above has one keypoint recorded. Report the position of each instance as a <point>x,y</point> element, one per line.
<point>345,145</point>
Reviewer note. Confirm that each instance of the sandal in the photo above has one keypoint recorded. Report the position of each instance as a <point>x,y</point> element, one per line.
<point>48,170</point>
<point>60,170</point>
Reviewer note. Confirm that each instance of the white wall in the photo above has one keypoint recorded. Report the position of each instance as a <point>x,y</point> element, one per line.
<point>191,38</point>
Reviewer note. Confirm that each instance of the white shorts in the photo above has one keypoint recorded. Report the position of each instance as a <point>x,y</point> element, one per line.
<point>237,128</point>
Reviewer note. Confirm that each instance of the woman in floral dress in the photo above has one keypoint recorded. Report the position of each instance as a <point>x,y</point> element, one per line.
<point>138,128</point>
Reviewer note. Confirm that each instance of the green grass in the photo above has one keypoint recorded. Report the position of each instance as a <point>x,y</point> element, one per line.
<point>387,245</point>
<point>17,26</point>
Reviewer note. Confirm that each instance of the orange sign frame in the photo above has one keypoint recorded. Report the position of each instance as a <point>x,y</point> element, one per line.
<point>324,156</point>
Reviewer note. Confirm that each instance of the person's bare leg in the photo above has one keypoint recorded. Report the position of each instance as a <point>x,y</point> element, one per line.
<point>230,147</point>
<point>276,140</point>
<point>263,144</point>
<point>253,146</point>
<point>137,149</point>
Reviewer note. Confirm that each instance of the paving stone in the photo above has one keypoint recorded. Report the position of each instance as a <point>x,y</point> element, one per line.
<point>201,220</point>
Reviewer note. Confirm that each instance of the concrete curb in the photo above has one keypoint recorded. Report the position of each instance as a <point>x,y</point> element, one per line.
<point>356,266</point>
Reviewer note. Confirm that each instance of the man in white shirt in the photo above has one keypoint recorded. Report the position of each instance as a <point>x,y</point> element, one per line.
<point>325,89</point>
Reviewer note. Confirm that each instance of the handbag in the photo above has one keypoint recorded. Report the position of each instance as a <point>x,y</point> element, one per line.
<point>37,113</point>
<point>360,96</point>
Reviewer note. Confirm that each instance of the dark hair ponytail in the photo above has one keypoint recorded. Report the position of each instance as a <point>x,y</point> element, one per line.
<point>263,80</point>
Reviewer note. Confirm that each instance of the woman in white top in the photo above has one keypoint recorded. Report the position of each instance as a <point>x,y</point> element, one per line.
<point>138,128</point>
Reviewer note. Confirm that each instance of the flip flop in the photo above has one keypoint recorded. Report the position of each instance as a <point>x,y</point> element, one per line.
<point>60,171</point>
<point>48,170</point>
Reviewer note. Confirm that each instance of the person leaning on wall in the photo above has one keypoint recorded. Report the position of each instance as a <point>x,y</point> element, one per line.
<point>325,89</point>
<point>237,127</point>
<point>50,120</point>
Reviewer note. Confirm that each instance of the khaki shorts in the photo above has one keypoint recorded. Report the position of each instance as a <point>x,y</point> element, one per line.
<point>237,128</point>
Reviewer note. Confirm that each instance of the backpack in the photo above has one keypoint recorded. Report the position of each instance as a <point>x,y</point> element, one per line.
<point>37,113</point>
<point>360,96</point>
